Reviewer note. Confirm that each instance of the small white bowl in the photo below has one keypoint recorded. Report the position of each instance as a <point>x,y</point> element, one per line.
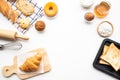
<point>87,3</point>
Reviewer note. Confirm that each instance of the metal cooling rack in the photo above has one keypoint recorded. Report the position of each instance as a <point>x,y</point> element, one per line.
<point>38,13</point>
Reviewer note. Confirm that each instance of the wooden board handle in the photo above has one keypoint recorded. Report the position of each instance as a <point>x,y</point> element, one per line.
<point>9,70</point>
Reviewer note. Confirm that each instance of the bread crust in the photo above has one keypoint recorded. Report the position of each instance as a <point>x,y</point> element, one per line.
<point>7,11</point>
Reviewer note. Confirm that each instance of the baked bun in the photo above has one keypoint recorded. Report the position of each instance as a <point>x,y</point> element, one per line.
<point>7,11</point>
<point>40,25</point>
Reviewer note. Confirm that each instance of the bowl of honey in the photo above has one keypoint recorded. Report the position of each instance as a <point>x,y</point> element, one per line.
<point>101,10</point>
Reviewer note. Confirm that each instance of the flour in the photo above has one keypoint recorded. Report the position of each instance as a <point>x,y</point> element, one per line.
<point>105,29</point>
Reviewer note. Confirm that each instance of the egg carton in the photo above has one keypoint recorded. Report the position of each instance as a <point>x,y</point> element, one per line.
<point>38,13</point>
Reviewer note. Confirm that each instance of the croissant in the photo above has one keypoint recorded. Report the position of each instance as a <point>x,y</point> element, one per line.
<point>31,63</point>
<point>7,11</point>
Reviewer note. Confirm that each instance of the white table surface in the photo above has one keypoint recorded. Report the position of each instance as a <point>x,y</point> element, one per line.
<point>70,43</point>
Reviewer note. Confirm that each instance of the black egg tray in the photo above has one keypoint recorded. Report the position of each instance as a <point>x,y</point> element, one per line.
<point>106,68</point>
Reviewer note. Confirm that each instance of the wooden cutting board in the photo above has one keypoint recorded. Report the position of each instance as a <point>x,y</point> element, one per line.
<point>9,70</point>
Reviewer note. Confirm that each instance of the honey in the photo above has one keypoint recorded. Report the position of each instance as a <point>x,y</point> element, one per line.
<point>102,9</point>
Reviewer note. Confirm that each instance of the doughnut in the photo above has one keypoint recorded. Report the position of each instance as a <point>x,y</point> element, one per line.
<point>50,9</point>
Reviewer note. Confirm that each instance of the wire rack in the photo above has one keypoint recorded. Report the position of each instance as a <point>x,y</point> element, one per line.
<point>38,13</point>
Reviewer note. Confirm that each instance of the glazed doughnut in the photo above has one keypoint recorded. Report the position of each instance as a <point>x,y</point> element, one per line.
<point>50,9</point>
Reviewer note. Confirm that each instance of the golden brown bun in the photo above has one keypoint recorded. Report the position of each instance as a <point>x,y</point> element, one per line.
<point>5,8</point>
<point>7,11</point>
<point>39,25</point>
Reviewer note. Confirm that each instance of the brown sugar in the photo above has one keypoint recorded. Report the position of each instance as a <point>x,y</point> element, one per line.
<point>89,16</point>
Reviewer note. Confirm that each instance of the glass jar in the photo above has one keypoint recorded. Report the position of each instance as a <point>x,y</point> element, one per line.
<point>101,10</point>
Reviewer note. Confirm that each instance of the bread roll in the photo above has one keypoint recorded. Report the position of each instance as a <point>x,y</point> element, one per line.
<point>7,11</point>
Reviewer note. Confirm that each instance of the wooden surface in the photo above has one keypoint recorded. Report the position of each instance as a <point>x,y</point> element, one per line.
<point>9,70</point>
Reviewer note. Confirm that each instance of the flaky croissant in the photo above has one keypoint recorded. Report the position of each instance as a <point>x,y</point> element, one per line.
<point>31,63</point>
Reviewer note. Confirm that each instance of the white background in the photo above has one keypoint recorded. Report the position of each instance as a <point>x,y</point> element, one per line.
<point>70,43</point>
